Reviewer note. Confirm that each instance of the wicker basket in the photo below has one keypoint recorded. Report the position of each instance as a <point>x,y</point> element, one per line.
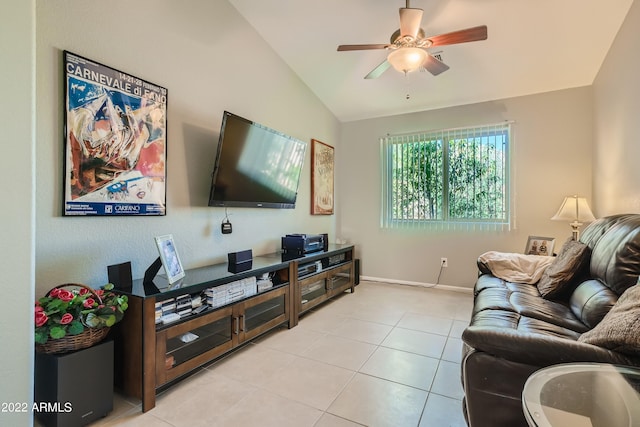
<point>85,339</point>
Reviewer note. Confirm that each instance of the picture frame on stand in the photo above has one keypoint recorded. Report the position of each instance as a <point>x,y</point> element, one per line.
<point>170,259</point>
<point>537,245</point>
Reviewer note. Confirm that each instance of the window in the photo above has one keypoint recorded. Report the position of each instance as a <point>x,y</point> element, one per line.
<point>447,178</point>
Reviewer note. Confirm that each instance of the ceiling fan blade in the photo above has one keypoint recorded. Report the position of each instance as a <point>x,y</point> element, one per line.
<point>462,36</point>
<point>434,65</point>
<point>344,47</point>
<point>377,72</point>
<point>410,19</point>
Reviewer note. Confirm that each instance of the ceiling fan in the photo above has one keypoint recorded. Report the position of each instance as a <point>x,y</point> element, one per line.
<point>408,45</point>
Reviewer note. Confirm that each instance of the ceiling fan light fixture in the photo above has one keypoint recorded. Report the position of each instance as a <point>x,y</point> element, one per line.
<point>407,59</point>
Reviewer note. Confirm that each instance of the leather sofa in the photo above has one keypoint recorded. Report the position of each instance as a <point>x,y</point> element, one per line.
<point>514,330</point>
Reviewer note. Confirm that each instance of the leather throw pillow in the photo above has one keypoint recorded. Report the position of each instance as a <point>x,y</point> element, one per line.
<point>558,279</point>
<point>619,330</point>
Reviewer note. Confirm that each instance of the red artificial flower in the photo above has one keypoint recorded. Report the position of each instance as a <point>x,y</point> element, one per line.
<point>83,291</point>
<point>41,318</point>
<point>54,292</point>
<point>66,318</point>
<point>88,303</point>
<point>65,295</point>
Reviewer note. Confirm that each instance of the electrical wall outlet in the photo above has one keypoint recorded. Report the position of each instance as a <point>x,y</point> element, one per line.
<point>444,262</point>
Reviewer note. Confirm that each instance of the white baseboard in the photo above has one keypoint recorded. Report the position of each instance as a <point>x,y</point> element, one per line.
<point>418,284</point>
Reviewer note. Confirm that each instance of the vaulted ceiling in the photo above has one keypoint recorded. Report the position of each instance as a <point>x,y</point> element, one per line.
<point>532,47</point>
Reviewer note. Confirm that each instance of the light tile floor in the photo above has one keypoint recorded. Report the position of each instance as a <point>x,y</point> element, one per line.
<point>387,355</point>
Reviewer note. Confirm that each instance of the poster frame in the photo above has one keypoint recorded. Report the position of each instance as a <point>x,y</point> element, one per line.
<point>115,141</point>
<point>322,178</point>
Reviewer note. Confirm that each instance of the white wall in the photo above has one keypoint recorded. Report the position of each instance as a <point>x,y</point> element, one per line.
<point>210,60</point>
<point>552,140</point>
<point>617,122</point>
<point>17,49</point>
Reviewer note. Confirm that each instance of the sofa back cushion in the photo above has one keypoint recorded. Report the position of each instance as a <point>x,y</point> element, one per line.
<point>592,233</point>
<point>615,250</point>
<point>591,301</point>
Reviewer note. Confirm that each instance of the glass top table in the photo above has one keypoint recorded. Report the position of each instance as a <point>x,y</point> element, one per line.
<point>583,394</point>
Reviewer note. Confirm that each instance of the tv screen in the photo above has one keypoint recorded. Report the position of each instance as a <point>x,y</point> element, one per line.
<point>255,166</point>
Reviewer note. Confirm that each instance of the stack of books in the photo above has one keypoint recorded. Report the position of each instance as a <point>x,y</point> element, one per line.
<point>264,284</point>
<point>216,297</point>
<point>158,312</point>
<point>183,305</point>
<point>196,301</point>
<point>230,292</point>
<point>165,311</point>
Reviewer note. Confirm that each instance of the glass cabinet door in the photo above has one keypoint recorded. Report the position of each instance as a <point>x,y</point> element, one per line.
<point>184,346</point>
<point>313,290</point>
<point>264,312</point>
<point>339,279</point>
<point>261,313</point>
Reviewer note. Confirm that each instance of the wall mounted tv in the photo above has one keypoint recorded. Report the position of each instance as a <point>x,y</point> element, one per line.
<point>255,166</point>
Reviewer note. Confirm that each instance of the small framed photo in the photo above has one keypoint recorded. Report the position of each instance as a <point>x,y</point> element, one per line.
<point>170,259</point>
<point>537,245</point>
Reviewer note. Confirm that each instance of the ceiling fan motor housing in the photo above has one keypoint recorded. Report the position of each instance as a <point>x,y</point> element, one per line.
<point>409,43</point>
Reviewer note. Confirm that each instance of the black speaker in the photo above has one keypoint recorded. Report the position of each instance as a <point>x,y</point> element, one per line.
<point>240,257</point>
<point>240,261</point>
<point>74,389</point>
<point>356,272</point>
<point>120,276</point>
<point>325,242</point>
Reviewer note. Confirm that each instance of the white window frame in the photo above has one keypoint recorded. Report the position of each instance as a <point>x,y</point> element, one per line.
<point>445,222</point>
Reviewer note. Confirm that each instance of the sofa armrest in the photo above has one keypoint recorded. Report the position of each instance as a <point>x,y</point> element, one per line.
<point>538,349</point>
<point>482,267</point>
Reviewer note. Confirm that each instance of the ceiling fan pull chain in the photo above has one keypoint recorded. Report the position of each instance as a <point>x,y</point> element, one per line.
<point>406,77</point>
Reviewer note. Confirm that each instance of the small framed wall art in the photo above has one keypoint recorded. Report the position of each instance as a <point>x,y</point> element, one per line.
<point>537,245</point>
<point>115,141</point>
<point>322,166</point>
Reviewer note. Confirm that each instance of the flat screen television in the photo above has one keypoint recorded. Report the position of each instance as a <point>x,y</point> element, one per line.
<point>255,166</point>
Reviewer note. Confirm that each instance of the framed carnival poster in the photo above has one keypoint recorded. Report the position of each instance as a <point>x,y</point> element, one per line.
<point>321,178</point>
<point>115,141</point>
